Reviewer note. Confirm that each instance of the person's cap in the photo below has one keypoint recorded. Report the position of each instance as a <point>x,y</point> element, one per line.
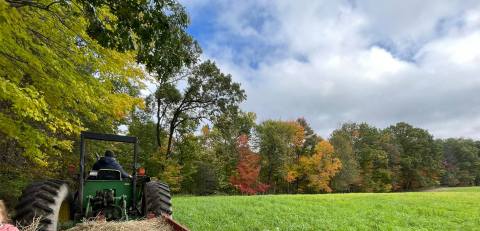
<point>109,153</point>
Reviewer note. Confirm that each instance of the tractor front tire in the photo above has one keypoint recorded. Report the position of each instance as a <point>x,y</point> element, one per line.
<point>157,199</point>
<point>48,201</point>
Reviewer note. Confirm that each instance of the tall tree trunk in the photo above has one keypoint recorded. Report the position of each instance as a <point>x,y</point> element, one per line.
<point>159,117</point>
<point>269,176</point>
<point>170,139</point>
<point>158,132</point>
<point>173,125</point>
<point>297,181</point>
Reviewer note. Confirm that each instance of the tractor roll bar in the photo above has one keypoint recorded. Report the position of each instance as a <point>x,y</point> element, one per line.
<point>107,137</point>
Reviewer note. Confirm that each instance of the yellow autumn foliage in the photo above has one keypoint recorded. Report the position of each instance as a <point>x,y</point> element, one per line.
<point>319,168</point>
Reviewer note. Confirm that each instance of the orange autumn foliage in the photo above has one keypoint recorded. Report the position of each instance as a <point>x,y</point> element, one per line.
<point>292,175</point>
<point>298,133</point>
<point>248,169</point>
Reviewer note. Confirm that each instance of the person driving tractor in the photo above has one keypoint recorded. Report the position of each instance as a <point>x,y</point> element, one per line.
<point>110,162</point>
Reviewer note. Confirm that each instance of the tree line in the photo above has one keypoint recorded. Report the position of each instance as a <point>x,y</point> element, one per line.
<point>69,66</point>
<point>237,155</point>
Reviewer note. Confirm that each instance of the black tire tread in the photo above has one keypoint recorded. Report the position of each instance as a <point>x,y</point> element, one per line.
<point>157,198</point>
<point>37,200</point>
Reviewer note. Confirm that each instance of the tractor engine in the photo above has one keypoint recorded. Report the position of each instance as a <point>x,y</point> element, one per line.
<point>106,204</point>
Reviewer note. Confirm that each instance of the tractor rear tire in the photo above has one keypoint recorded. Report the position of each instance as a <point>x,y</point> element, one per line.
<point>49,201</point>
<point>157,199</point>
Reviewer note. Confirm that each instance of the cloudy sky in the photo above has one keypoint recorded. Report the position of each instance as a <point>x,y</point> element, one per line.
<point>332,62</point>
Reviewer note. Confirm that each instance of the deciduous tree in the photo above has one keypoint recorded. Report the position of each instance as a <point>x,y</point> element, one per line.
<point>248,169</point>
<point>56,81</point>
<point>461,161</point>
<point>421,158</point>
<point>318,169</point>
<point>348,178</point>
<point>278,142</point>
<point>208,94</point>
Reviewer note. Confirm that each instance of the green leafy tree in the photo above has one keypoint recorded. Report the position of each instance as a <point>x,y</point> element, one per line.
<point>366,169</point>
<point>189,153</point>
<point>221,143</point>
<point>372,159</point>
<point>142,126</point>
<point>348,178</point>
<point>393,150</point>
<point>311,139</point>
<point>208,94</point>
<point>278,142</point>
<point>420,157</point>
<point>205,179</point>
<point>461,161</point>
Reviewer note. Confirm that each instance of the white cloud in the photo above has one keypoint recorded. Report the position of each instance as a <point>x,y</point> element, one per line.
<point>460,51</point>
<point>351,61</point>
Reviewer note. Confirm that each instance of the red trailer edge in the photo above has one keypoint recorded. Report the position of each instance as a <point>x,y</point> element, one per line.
<point>175,225</point>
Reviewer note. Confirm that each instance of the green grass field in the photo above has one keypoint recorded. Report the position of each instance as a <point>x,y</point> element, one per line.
<point>442,209</point>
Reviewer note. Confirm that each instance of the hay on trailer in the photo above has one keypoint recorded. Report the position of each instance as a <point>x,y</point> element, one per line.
<point>157,224</point>
<point>32,227</point>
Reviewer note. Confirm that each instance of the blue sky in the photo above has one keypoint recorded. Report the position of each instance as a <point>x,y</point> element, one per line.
<point>333,62</point>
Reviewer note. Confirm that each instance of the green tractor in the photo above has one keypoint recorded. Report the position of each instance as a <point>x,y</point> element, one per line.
<point>103,193</point>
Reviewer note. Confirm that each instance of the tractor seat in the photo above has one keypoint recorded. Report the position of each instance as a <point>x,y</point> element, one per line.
<point>105,174</point>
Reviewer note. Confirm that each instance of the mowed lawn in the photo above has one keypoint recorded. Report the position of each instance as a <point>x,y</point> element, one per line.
<point>445,209</point>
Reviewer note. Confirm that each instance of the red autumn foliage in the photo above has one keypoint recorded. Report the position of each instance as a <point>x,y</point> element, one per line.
<point>248,169</point>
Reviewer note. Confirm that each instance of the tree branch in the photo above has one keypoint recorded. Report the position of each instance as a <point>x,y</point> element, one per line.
<point>22,3</point>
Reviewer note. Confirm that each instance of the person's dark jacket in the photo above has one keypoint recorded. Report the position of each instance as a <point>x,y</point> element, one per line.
<point>108,162</point>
